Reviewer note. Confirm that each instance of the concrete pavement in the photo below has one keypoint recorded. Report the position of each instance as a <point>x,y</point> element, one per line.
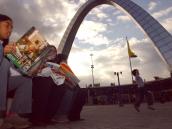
<point>115,117</point>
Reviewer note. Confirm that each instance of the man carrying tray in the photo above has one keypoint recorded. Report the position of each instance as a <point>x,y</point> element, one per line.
<point>10,80</point>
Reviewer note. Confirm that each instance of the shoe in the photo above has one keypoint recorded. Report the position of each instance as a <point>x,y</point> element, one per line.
<point>80,119</point>
<point>137,108</point>
<point>151,108</point>
<point>61,119</point>
<point>22,125</point>
<point>42,122</point>
<point>1,122</point>
<point>18,122</point>
<point>7,126</point>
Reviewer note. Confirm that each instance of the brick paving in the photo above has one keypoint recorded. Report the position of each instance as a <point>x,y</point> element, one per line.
<point>115,117</point>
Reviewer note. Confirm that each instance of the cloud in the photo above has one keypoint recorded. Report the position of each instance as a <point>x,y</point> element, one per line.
<point>167,24</point>
<point>123,18</point>
<point>90,32</point>
<point>116,12</point>
<point>152,5</point>
<point>162,13</point>
<point>77,56</point>
<point>148,57</point>
<point>115,59</point>
<point>99,12</point>
<point>51,17</point>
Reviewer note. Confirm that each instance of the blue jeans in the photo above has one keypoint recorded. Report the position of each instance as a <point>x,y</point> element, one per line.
<point>22,102</point>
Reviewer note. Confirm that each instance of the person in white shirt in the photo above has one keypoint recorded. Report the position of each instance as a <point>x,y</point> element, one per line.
<point>141,91</point>
<point>10,80</point>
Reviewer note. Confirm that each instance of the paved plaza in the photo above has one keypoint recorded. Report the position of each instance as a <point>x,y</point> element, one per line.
<point>115,117</point>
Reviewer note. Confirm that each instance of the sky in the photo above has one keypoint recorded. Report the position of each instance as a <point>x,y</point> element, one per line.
<point>102,33</point>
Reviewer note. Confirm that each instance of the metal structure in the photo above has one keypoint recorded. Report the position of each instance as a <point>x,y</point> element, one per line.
<point>160,37</point>
<point>92,70</point>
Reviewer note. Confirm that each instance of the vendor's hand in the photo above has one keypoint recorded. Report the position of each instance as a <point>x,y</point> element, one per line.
<point>9,48</point>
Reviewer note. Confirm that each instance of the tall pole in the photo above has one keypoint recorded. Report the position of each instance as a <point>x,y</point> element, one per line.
<point>120,101</point>
<point>118,79</point>
<point>92,67</point>
<point>131,69</point>
<point>130,61</point>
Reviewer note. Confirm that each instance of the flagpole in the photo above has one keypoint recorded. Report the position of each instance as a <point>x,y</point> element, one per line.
<point>130,62</point>
<point>131,69</point>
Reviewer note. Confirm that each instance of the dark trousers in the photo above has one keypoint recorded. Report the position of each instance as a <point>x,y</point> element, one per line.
<point>140,93</point>
<point>46,99</point>
<point>79,100</point>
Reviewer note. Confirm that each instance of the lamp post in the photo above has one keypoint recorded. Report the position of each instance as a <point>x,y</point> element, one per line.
<point>119,89</point>
<point>92,69</point>
<point>117,74</point>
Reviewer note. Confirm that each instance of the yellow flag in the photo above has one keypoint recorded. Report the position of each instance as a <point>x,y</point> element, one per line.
<point>130,53</point>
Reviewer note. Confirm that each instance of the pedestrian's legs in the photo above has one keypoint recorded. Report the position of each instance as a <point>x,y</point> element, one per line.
<point>139,96</point>
<point>4,73</point>
<point>22,102</point>
<point>149,99</point>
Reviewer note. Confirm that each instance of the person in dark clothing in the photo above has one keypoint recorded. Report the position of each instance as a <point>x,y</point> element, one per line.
<point>46,94</point>
<point>79,101</point>
<point>47,97</point>
<point>73,99</point>
<point>50,100</point>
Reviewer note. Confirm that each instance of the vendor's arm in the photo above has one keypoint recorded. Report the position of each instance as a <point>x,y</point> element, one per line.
<point>37,68</point>
<point>9,48</point>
